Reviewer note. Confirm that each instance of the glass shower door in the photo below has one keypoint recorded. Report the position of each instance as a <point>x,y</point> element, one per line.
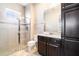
<point>8,38</point>
<point>3,39</point>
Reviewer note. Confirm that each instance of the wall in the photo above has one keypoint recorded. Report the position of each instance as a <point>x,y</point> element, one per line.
<point>30,14</point>
<point>14,6</point>
<point>35,12</point>
<point>33,22</point>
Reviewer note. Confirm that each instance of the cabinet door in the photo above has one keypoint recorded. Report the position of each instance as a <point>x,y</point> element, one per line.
<point>71,47</point>
<point>52,50</point>
<point>42,48</point>
<point>71,22</point>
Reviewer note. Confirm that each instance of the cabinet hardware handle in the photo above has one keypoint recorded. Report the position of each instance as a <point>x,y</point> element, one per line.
<point>53,45</point>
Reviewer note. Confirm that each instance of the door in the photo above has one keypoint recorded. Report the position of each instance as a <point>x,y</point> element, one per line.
<point>8,38</point>
<point>12,37</point>
<point>71,47</point>
<point>3,39</point>
<point>71,19</point>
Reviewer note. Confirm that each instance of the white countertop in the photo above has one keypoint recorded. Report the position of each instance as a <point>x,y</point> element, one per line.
<point>51,35</point>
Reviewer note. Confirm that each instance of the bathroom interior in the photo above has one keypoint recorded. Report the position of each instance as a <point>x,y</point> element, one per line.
<point>35,29</point>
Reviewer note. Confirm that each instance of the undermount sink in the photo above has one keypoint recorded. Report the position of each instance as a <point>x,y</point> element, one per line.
<point>50,35</point>
<point>47,33</point>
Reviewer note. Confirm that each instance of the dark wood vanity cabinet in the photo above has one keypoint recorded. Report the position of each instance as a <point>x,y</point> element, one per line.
<point>48,46</point>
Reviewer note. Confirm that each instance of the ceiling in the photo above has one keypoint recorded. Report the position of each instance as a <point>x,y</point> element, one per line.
<point>51,4</point>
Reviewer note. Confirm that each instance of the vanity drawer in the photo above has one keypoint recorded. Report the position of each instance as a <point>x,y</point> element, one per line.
<point>53,41</point>
<point>42,38</point>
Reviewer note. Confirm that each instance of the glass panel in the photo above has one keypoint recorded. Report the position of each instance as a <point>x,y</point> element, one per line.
<point>13,37</point>
<point>8,38</point>
<point>3,39</point>
<point>24,36</point>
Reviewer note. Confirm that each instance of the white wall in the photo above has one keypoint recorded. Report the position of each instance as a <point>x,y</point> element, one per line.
<point>30,13</point>
<point>36,12</point>
<point>14,6</point>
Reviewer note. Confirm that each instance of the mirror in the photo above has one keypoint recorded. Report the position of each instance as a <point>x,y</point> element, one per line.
<point>52,19</point>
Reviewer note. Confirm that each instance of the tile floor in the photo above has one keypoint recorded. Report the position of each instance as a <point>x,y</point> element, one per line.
<point>25,52</point>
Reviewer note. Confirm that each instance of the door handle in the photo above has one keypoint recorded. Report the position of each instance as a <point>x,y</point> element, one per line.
<point>71,40</point>
<point>53,45</point>
<point>19,37</point>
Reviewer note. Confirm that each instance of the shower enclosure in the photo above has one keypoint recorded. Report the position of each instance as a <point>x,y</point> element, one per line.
<point>14,34</point>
